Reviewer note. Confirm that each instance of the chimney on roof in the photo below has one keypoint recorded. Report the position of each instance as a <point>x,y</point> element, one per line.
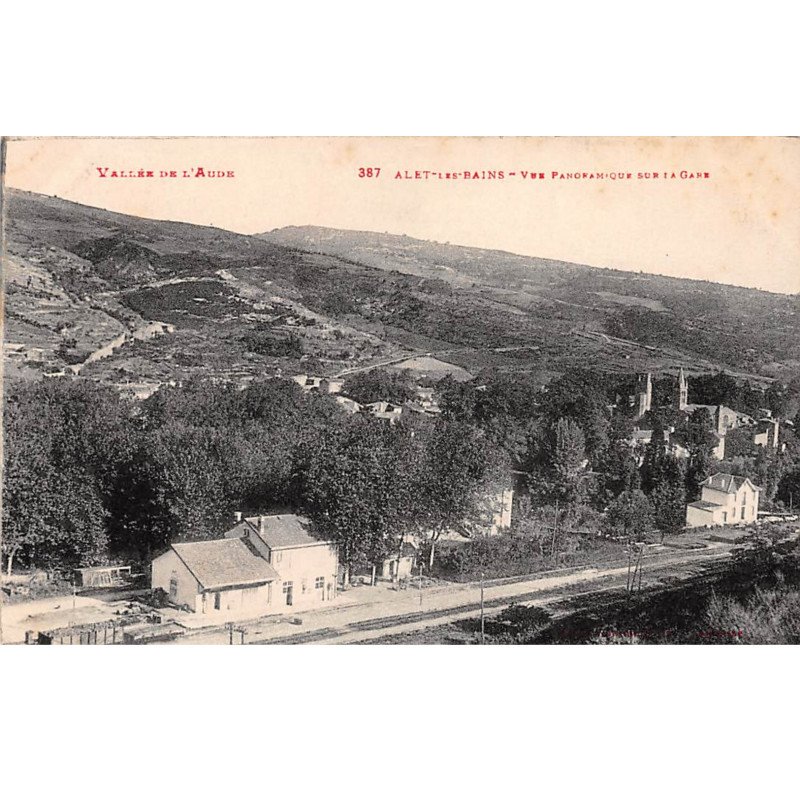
<point>237,515</point>
<point>260,523</point>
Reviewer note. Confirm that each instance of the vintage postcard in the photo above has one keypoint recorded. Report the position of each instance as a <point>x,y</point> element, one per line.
<point>401,391</point>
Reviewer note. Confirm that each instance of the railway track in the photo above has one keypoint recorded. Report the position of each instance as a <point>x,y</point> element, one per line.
<point>556,601</point>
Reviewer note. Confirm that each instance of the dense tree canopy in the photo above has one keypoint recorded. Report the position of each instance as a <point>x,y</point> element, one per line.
<point>378,384</point>
<point>630,515</point>
<point>90,476</point>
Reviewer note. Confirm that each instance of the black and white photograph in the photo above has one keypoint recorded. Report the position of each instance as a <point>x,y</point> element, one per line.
<point>401,391</point>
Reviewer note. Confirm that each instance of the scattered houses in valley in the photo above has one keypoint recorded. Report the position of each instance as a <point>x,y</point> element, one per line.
<point>310,383</point>
<point>760,433</point>
<point>384,410</point>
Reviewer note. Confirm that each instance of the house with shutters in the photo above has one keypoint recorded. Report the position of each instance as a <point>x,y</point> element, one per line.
<point>725,500</point>
<point>307,566</point>
<point>262,565</point>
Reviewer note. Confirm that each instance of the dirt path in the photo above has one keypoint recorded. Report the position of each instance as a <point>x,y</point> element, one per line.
<point>400,612</point>
<point>50,612</point>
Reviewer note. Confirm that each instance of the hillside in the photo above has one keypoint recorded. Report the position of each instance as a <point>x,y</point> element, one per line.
<point>82,283</point>
<point>742,328</point>
<point>78,277</point>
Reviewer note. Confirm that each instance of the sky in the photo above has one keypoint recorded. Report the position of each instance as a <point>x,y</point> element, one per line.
<point>740,225</point>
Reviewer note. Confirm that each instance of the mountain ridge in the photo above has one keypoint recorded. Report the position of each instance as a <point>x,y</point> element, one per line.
<point>306,298</point>
<point>286,235</point>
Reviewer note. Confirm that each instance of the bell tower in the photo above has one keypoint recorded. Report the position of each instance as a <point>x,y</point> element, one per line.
<point>644,394</point>
<point>683,391</point>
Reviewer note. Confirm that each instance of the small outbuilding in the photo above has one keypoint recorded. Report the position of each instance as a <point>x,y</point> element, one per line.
<point>399,565</point>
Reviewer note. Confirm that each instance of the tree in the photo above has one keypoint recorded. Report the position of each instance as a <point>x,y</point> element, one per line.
<point>63,442</point>
<point>701,443</point>
<point>789,488</point>
<point>357,488</point>
<point>52,519</point>
<point>669,497</point>
<point>458,401</point>
<point>717,389</point>
<point>378,384</point>
<point>619,472</point>
<point>629,516</point>
<point>654,458</point>
<point>568,460</point>
<point>459,472</point>
<point>582,397</point>
<point>190,481</point>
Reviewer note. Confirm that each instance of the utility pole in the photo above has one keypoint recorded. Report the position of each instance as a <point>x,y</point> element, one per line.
<point>641,565</point>
<point>74,592</point>
<point>555,530</point>
<point>483,632</point>
<point>628,582</point>
<point>420,584</point>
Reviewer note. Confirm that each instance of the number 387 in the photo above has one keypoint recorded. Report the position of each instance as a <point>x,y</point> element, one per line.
<point>369,172</point>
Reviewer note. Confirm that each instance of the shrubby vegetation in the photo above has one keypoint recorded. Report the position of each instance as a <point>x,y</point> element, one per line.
<point>513,555</point>
<point>753,600</point>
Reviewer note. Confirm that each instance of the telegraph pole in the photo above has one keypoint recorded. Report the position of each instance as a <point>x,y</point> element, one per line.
<point>555,530</point>
<point>628,582</point>
<point>483,633</point>
<point>641,565</point>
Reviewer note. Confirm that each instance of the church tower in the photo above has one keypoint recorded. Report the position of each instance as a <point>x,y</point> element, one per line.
<point>683,391</point>
<point>644,394</point>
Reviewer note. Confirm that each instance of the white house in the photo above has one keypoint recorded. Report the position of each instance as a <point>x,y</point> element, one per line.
<point>262,566</point>
<point>217,575</point>
<point>385,410</point>
<point>766,434</point>
<point>493,518</point>
<point>307,566</point>
<point>330,386</point>
<point>501,511</point>
<point>673,444</point>
<point>427,400</point>
<point>725,500</point>
<point>348,404</point>
<point>307,382</point>
<point>400,564</point>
